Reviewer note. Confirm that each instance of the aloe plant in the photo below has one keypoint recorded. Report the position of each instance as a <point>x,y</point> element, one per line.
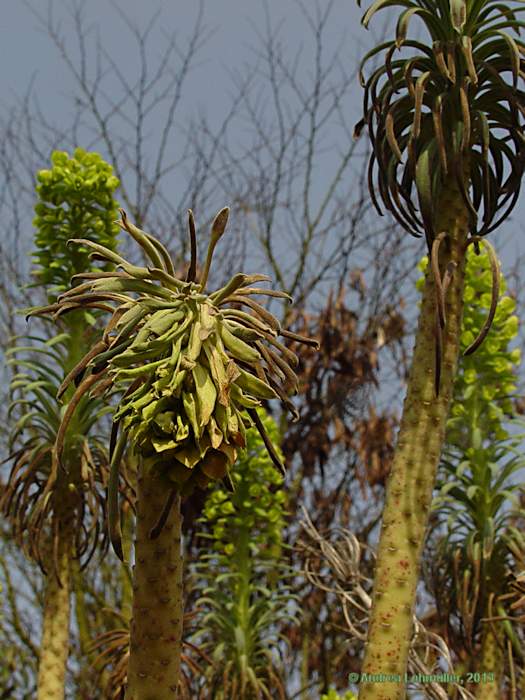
<point>56,512</point>
<point>479,481</point>
<point>444,119</point>
<point>243,576</point>
<point>192,367</point>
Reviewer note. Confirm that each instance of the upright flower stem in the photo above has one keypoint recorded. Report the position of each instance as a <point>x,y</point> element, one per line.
<point>411,481</point>
<point>54,648</point>
<point>242,610</point>
<point>156,626</point>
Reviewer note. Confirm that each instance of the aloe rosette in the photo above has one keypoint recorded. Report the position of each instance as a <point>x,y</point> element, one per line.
<point>436,109</point>
<point>192,367</point>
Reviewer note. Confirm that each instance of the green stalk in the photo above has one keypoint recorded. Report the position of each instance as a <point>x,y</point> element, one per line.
<point>54,647</point>
<point>411,481</point>
<point>156,626</point>
<point>85,624</point>
<point>491,661</point>
<point>243,616</point>
<point>84,635</point>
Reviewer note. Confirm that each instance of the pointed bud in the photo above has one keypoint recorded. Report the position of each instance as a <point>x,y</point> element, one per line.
<point>219,223</point>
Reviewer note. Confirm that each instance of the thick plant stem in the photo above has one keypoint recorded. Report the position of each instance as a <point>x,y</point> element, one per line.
<point>54,648</point>
<point>491,662</point>
<point>156,626</point>
<point>413,473</point>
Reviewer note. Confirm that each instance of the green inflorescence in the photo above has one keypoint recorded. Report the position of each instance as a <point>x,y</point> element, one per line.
<point>482,465</point>
<point>333,695</point>
<point>486,379</point>
<point>256,504</point>
<point>243,578</point>
<point>75,197</point>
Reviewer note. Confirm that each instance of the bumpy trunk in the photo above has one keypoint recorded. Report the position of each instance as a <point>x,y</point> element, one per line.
<point>490,665</point>
<point>54,647</point>
<point>411,481</point>
<point>156,626</point>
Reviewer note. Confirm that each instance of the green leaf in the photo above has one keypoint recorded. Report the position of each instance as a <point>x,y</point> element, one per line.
<point>458,14</point>
<point>379,5</point>
<point>206,394</point>
<point>424,184</point>
<point>403,22</point>
<point>514,55</point>
<point>163,444</point>
<point>115,532</point>
<point>190,408</point>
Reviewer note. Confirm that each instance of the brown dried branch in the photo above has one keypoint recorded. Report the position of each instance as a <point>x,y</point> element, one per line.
<point>334,385</point>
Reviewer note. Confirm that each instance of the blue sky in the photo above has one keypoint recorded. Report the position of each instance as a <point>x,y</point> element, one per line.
<point>232,40</point>
<point>27,53</point>
<point>26,49</point>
